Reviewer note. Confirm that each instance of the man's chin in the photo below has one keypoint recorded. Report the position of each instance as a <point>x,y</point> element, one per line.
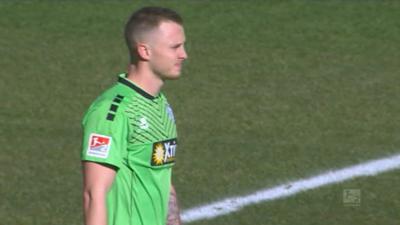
<point>172,76</point>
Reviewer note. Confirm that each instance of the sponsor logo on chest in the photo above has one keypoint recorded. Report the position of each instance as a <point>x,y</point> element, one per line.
<point>163,152</point>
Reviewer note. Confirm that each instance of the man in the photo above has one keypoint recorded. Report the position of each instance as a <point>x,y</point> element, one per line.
<point>129,141</point>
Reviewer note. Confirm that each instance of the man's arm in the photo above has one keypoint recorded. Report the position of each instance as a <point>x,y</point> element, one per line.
<point>174,217</point>
<point>97,180</point>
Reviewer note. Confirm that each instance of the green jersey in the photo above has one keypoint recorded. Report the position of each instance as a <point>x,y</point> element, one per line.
<point>134,132</point>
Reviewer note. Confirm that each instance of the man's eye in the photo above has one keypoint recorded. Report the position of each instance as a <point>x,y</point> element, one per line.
<point>176,46</point>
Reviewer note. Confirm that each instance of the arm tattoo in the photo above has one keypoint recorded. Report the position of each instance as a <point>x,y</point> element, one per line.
<point>173,209</point>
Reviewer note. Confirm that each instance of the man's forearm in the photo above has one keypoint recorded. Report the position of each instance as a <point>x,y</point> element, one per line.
<point>173,209</point>
<point>97,180</point>
<point>95,210</point>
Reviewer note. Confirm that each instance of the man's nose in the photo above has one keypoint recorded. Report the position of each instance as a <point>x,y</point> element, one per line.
<point>183,54</point>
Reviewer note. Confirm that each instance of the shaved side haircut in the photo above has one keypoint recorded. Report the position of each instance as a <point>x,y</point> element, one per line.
<point>144,20</point>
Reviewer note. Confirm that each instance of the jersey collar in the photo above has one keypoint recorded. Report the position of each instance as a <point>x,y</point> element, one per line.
<point>123,80</point>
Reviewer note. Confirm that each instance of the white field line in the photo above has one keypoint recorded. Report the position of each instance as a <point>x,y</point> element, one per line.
<point>233,204</point>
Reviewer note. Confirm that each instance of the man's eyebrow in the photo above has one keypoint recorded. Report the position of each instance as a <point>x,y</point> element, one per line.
<point>178,45</point>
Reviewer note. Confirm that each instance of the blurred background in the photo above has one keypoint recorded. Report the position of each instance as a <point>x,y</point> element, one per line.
<point>273,91</point>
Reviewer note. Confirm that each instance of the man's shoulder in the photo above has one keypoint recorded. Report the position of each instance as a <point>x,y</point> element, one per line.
<point>110,103</point>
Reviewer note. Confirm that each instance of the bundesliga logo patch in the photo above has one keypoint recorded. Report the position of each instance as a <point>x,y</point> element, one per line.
<point>99,145</point>
<point>163,152</point>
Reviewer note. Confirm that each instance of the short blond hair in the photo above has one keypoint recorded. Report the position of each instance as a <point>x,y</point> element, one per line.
<point>144,20</point>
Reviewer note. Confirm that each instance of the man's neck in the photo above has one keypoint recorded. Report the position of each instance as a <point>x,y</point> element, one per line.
<point>145,79</point>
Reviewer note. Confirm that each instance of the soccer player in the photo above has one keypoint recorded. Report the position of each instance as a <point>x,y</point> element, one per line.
<point>130,139</point>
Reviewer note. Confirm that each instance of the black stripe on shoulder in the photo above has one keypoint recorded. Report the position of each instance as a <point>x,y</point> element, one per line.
<point>113,108</point>
<point>117,100</point>
<point>110,117</point>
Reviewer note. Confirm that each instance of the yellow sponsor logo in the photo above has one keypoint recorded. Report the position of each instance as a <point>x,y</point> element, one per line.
<point>163,152</point>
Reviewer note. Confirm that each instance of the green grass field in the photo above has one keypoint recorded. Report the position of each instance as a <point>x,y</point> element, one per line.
<point>272,91</point>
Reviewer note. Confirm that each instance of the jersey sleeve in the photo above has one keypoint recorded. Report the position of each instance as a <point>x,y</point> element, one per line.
<point>104,135</point>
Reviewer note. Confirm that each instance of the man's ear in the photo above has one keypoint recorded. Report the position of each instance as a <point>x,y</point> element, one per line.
<point>143,51</point>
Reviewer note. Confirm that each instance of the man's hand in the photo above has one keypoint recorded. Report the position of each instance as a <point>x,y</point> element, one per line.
<point>173,209</point>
